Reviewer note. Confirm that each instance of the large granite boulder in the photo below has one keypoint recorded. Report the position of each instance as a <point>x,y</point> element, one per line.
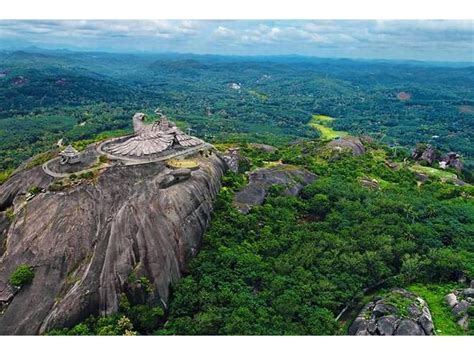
<point>291,178</point>
<point>399,312</point>
<point>87,244</point>
<point>263,147</point>
<point>232,158</point>
<point>348,143</point>
<point>424,153</point>
<point>451,160</point>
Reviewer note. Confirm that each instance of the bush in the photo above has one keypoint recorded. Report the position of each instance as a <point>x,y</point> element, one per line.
<point>470,311</point>
<point>34,190</point>
<point>22,275</point>
<point>87,175</point>
<point>103,159</point>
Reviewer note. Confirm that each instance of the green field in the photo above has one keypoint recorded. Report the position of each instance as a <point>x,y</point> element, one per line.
<point>437,173</point>
<point>322,118</point>
<point>443,319</point>
<point>320,122</point>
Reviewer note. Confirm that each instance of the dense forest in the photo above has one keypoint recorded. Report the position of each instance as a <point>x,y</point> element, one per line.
<point>291,265</point>
<point>49,95</point>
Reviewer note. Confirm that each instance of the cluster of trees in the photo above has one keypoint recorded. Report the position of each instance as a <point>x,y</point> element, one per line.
<point>291,265</point>
<point>275,101</point>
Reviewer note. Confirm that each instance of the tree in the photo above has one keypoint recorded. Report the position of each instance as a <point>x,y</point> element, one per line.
<point>22,275</point>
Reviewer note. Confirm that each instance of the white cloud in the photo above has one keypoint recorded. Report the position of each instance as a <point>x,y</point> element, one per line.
<point>319,37</point>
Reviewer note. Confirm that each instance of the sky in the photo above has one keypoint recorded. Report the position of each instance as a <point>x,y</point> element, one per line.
<point>431,40</point>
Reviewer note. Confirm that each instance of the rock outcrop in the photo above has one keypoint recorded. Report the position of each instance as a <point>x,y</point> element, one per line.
<point>461,302</point>
<point>263,147</point>
<point>398,313</point>
<point>350,143</point>
<point>451,160</point>
<point>291,178</point>
<point>424,153</point>
<point>87,244</point>
<point>232,158</point>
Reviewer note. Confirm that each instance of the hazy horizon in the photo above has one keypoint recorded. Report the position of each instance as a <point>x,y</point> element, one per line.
<point>422,40</point>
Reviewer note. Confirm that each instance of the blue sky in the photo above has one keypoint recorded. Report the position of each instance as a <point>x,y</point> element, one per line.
<point>441,40</point>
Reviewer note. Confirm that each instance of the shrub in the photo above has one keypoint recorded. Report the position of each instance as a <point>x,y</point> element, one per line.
<point>470,311</point>
<point>22,275</point>
<point>87,175</point>
<point>103,159</point>
<point>34,190</point>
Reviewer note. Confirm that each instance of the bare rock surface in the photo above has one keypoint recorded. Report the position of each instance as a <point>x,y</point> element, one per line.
<point>397,313</point>
<point>293,180</point>
<point>232,158</point>
<point>424,153</point>
<point>452,160</point>
<point>352,143</point>
<point>84,243</point>
<point>263,147</point>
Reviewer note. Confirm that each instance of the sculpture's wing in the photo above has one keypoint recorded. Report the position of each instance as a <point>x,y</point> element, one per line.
<point>187,141</point>
<point>143,144</point>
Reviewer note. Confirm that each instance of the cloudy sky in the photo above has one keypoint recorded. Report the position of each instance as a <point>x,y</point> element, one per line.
<point>422,40</point>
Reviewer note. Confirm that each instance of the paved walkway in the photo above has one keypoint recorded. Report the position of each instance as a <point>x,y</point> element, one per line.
<point>48,171</point>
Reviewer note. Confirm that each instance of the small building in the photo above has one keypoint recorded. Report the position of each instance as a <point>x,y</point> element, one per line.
<point>70,156</point>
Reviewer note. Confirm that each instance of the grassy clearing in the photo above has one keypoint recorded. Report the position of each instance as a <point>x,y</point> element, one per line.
<point>437,173</point>
<point>320,123</point>
<point>326,132</point>
<point>322,118</point>
<point>258,95</point>
<point>443,319</point>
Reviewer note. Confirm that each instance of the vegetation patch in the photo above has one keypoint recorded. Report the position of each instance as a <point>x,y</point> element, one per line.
<point>40,159</point>
<point>22,276</point>
<point>258,95</point>
<point>322,118</point>
<point>5,175</point>
<point>443,319</point>
<point>320,123</point>
<point>437,173</point>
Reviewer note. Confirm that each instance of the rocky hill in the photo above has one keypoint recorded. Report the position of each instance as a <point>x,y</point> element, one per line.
<point>121,231</point>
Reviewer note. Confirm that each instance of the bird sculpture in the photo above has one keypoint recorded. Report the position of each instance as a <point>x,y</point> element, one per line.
<point>152,138</point>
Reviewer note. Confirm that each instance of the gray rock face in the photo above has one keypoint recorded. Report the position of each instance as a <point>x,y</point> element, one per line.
<point>20,183</point>
<point>263,147</point>
<point>468,292</point>
<point>409,327</point>
<point>232,159</point>
<point>451,300</point>
<point>174,177</point>
<point>461,308</point>
<point>292,178</point>
<point>86,242</point>
<point>387,325</point>
<point>352,143</point>
<point>426,153</point>
<point>460,301</point>
<point>452,160</point>
<point>385,316</point>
